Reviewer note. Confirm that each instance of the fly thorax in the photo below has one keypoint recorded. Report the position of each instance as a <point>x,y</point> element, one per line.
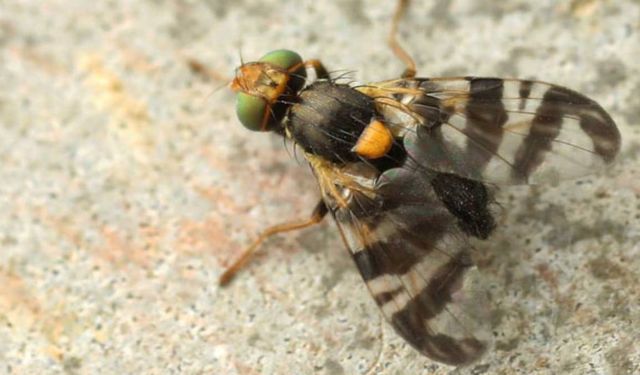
<point>328,119</point>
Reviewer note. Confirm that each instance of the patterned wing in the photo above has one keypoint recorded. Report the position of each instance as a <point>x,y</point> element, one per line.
<point>415,261</point>
<point>498,130</point>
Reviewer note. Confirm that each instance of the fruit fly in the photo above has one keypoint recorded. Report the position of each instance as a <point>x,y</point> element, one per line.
<point>404,167</point>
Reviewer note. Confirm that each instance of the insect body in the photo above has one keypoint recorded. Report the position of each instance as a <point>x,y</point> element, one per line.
<point>403,166</point>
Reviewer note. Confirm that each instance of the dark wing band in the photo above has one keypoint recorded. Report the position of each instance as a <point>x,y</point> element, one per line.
<point>501,131</point>
<point>417,265</point>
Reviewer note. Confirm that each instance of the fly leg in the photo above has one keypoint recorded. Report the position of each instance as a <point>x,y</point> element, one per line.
<point>316,65</point>
<point>319,212</point>
<point>401,53</point>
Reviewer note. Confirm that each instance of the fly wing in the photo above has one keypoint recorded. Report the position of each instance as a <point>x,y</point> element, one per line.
<point>416,263</point>
<point>502,131</point>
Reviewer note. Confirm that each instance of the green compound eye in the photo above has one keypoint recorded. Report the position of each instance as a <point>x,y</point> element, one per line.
<point>287,59</point>
<point>282,58</point>
<point>250,111</point>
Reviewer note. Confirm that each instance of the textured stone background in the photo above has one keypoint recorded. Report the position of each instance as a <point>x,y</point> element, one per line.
<point>128,185</point>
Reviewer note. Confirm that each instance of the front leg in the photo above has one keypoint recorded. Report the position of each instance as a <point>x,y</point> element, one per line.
<point>318,67</point>
<point>315,64</point>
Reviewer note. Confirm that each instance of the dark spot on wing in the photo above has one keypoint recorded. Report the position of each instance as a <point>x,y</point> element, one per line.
<point>486,116</point>
<point>468,201</point>
<point>524,92</point>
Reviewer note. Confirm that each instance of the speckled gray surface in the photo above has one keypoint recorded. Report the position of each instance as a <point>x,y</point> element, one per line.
<point>127,186</point>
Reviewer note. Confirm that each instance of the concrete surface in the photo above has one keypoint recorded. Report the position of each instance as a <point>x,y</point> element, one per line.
<point>128,185</point>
